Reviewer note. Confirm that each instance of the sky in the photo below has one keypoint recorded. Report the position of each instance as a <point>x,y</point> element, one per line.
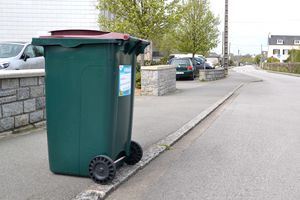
<point>251,21</point>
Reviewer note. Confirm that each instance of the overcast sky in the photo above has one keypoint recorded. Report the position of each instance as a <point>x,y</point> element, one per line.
<point>250,22</point>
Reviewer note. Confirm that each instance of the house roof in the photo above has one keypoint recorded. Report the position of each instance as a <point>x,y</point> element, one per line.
<point>287,39</point>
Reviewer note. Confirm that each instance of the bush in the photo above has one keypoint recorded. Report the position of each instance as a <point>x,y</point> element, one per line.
<point>163,61</point>
<point>283,67</point>
<point>296,70</point>
<point>138,76</point>
<point>273,60</point>
<point>138,80</point>
<point>294,56</point>
<point>138,67</point>
<point>257,59</point>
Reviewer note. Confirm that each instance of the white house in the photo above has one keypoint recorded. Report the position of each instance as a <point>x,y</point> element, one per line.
<point>279,45</point>
<point>20,20</point>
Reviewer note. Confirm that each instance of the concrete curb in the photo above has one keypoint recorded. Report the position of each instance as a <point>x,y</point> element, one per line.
<point>99,192</point>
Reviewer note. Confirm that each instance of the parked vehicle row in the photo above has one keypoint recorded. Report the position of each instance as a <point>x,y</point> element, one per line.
<point>188,67</point>
<point>21,55</point>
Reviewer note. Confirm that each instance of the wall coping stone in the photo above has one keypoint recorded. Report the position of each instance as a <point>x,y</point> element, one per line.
<point>211,70</point>
<point>157,67</point>
<point>5,74</point>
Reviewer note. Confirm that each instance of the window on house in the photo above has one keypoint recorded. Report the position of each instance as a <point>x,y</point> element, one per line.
<point>296,41</point>
<point>279,41</point>
<point>276,51</point>
<point>285,52</point>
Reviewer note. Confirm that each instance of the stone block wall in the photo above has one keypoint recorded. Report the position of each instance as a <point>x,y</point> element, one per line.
<point>158,80</point>
<point>22,98</point>
<point>211,74</point>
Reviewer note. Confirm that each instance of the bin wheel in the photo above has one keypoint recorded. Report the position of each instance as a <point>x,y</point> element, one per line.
<point>136,153</point>
<point>102,169</point>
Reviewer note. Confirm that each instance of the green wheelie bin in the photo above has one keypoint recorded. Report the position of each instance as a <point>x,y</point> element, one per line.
<point>90,81</point>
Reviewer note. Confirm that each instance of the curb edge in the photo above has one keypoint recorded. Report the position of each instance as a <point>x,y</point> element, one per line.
<point>99,192</point>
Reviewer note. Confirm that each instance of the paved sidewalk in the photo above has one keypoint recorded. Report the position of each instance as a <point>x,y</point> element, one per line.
<point>24,172</point>
<point>156,117</point>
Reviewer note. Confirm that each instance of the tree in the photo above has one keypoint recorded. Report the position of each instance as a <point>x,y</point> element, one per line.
<point>167,43</point>
<point>198,29</point>
<point>258,58</point>
<point>247,59</point>
<point>147,19</point>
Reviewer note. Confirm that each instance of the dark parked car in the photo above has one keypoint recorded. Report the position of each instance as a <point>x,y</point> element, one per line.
<point>201,63</point>
<point>184,68</point>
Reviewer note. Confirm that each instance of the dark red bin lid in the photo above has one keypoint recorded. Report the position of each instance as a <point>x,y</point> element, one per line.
<point>92,34</point>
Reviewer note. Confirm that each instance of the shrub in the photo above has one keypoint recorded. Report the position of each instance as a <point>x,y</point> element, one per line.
<point>294,56</point>
<point>283,67</point>
<point>138,80</point>
<point>164,60</point>
<point>273,60</point>
<point>138,67</point>
<point>257,59</point>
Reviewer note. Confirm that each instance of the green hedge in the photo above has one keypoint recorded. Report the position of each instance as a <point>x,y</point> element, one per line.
<point>283,67</point>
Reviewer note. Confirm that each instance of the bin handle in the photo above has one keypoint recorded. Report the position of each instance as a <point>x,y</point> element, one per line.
<point>133,47</point>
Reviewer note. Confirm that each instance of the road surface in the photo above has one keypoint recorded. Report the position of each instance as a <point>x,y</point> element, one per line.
<point>24,169</point>
<point>248,149</point>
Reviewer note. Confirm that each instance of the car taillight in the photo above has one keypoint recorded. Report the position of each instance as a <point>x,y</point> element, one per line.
<point>189,68</point>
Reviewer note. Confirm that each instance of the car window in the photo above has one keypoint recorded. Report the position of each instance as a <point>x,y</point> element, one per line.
<point>180,61</point>
<point>29,51</point>
<point>199,60</point>
<point>10,50</point>
<point>39,51</point>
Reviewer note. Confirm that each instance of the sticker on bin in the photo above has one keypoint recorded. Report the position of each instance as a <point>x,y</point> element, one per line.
<point>125,80</point>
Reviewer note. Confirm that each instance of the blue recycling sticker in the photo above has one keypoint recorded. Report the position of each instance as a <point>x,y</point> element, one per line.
<point>125,77</point>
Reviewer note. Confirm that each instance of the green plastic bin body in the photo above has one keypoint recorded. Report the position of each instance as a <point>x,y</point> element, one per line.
<point>86,114</point>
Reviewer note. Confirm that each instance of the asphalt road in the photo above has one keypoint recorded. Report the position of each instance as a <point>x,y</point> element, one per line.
<point>24,170</point>
<point>248,149</point>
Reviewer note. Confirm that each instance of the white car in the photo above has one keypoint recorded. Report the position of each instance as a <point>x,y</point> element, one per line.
<point>21,55</point>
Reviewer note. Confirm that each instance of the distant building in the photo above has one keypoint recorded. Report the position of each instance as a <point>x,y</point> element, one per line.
<point>279,45</point>
<point>22,20</point>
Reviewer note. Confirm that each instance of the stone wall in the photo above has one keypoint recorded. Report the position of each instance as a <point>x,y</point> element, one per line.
<point>211,74</point>
<point>22,99</point>
<point>158,80</point>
